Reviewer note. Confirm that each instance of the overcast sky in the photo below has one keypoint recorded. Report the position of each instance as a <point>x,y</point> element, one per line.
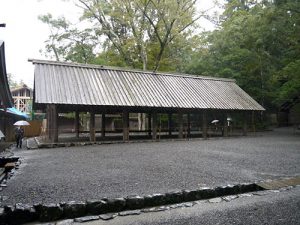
<point>24,34</point>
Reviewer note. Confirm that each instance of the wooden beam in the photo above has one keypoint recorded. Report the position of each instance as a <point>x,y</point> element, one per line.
<point>92,127</point>
<point>52,123</point>
<point>55,124</point>
<point>225,125</point>
<point>188,125</point>
<point>245,125</point>
<point>149,123</point>
<point>204,124</point>
<point>180,125</point>
<point>103,125</point>
<point>154,126</point>
<point>77,123</point>
<point>253,122</point>
<point>170,124</point>
<point>48,116</point>
<point>125,126</point>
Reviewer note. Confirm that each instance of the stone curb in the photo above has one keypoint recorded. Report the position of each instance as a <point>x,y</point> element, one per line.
<point>74,144</point>
<point>24,213</point>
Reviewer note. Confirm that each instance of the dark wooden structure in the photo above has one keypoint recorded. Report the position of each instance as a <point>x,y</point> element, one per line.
<point>70,87</point>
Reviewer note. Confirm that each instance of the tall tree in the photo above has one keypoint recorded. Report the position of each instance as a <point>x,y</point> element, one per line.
<point>257,43</point>
<point>138,28</point>
<point>67,42</point>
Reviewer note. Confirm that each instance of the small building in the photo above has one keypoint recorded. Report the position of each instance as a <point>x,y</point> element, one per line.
<point>61,87</point>
<point>22,98</point>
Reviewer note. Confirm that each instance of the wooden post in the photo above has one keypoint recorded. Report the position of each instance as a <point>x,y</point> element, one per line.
<point>225,125</point>
<point>103,126</point>
<point>149,124</point>
<point>52,123</point>
<point>125,126</point>
<point>170,124</point>
<point>245,128</point>
<point>253,122</point>
<point>204,124</point>
<point>77,124</point>
<point>55,124</point>
<point>188,125</point>
<point>49,127</point>
<point>180,124</point>
<point>154,126</point>
<point>92,127</point>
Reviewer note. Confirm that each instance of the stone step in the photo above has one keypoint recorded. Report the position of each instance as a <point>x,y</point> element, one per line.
<point>31,143</point>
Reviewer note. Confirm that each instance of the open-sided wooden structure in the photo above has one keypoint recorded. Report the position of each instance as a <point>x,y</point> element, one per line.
<point>71,87</point>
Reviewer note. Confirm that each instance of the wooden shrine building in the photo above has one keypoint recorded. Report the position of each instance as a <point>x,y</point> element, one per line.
<point>61,87</point>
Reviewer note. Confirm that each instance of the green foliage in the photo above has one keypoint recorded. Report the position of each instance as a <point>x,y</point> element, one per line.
<point>148,34</point>
<point>258,44</point>
<point>14,83</point>
<point>67,42</point>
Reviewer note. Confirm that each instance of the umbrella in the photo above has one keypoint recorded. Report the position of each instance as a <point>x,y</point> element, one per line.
<point>21,123</point>
<point>215,121</point>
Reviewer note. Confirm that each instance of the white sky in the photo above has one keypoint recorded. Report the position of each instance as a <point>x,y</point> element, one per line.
<point>24,34</point>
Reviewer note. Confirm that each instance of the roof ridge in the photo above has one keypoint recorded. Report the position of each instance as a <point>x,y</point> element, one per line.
<point>94,66</point>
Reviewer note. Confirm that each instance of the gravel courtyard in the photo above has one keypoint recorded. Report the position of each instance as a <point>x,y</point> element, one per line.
<point>93,172</point>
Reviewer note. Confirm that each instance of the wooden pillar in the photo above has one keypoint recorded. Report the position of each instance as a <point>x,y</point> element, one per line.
<point>55,124</point>
<point>77,124</point>
<point>180,125</point>
<point>149,124</point>
<point>253,122</point>
<point>52,123</point>
<point>154,126</point>
<point>92,127</point>
<point>204,124</point>
<point>170,124</point>
<point>225,125</point>
<point>125,126</point>
<point>245,127</point>
<point>188,125</point>
<point>103,126</point>
<point>49,127</point>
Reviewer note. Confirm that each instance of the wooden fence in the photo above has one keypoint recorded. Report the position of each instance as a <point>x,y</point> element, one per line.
<point>34,129</point>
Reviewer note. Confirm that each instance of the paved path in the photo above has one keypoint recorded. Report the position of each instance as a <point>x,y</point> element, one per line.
<point>93,172</point>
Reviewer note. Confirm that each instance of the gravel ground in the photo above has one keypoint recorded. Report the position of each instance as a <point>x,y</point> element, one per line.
<point>93,172</point>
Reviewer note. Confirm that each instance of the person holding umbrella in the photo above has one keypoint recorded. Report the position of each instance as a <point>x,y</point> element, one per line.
<point>19,136</point>
<point>20,132</point>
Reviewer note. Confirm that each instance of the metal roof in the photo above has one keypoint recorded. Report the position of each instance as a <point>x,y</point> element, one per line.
<point>82,84</point>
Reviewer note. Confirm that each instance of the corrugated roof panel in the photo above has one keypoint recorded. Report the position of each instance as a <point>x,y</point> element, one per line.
<point>69,83</point>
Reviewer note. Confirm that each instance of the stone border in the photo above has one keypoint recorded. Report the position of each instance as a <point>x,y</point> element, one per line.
<point>42,145</point>
<point>24,213</point>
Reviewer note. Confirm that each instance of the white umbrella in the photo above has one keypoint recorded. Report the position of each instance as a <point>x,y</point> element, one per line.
<point>21,123</point>
<point>215,121</point>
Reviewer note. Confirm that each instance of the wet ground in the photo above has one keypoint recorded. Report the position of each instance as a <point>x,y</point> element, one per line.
<point>93,172</point>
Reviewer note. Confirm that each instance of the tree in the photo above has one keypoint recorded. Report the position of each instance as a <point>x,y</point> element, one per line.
<point>69,43</point>
<point>145,34</point>
<point>141,31</point>
<point>256,43</point>
<point>11,81</point>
